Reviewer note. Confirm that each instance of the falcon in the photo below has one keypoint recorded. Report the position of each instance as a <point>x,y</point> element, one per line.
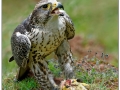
<point>47,29</point>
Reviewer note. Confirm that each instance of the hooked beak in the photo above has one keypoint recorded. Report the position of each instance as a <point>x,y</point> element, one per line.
<point>56,7</point>
<point>59,5</point>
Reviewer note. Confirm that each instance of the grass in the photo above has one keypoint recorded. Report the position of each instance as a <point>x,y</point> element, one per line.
<point>98,77</point>
<point>88,71</point>
<point>92,19</point>
<point>10,84</point>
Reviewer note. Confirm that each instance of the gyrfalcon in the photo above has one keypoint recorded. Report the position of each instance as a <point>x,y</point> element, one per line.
<point>47,29</point>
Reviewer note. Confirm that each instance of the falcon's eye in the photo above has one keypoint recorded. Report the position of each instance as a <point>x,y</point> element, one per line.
<point>45,6</point>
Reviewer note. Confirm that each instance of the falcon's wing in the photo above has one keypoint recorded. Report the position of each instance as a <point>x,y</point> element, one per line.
<point>70,31</point>
<point>20,45</point>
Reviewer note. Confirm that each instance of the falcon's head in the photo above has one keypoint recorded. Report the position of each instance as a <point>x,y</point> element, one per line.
<point>45,10</point>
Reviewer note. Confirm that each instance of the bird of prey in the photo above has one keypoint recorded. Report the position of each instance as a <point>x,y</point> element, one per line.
<point>47,29</point>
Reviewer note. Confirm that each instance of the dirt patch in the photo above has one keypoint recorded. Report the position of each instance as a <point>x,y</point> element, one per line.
<point>81,48</point>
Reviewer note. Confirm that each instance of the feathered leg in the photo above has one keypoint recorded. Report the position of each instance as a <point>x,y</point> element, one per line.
<point>65,59</point>
<point>43,75</point>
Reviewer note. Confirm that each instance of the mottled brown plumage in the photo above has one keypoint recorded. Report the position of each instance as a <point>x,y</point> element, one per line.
<point>46,30</point>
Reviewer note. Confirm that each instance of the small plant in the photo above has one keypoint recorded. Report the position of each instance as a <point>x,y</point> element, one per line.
<point>54,67</point>
<point>98,73</point>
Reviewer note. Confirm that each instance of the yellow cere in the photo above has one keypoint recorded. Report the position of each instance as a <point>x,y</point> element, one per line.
<point>54,5</point>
